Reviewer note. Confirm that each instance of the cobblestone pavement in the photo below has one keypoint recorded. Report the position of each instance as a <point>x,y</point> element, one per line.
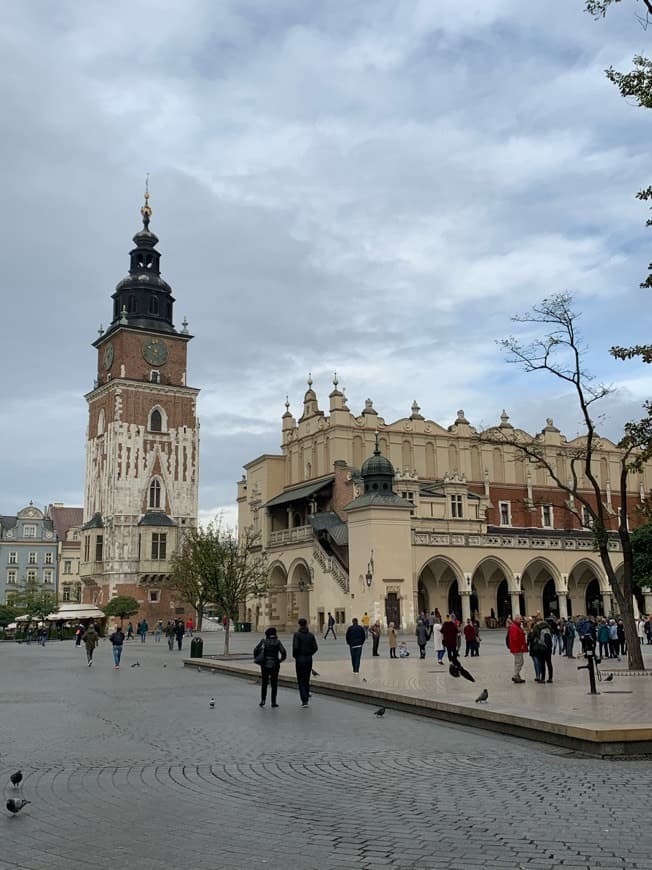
<point>133,766</point>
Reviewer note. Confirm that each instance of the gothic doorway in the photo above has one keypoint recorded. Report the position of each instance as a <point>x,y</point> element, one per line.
<point>550,600</point>
<point>393,609</point>
<point>594,603</point>
<point>503,602</point>
<point>454,600</point>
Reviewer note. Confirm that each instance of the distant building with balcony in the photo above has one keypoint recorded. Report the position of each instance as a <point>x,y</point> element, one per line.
<point>359,515</point>
<point>28,552</point>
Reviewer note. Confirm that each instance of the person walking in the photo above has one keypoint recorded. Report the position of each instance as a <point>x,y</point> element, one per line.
<point>91,640</point>
<point>117,640</point>
<point>365,624</point>
<point>190,627</point>
<point>622,642</point>
<point>355,638</point>
<point>557,639</point>
<point>269,653</point>
<point>470,639</point>
<point>439,642</point>
<point>179,631</point>
<point>517,644</point>
<point>304,646</point>
<point>143,629</point>
<point>169,634</point>
<point>640,630</point>
<point>391,640</point>
<point>42,635</point>
<point>604,650</point>
<point>614,643</point>
<point>130,631</point>
<point>375,631</point>
<point>542,645</point>
<point>81,628</point>
<point>330,623</point>
<point>423,636</point>
<point>158,631</point>
<point>450,633</point>
<point>569,637</point>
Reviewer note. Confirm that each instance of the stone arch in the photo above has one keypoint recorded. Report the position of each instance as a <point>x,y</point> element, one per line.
<point>299,581</point>
<point>487,577</point>
<point>534,579</point>
<point>593,601</point>
<point>277,596</point>
<point>435,579</point>
<point>580,577</point>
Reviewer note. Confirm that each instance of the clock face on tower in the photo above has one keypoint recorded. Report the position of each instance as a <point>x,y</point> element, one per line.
<point>155,351</point>
<point>107,359</point>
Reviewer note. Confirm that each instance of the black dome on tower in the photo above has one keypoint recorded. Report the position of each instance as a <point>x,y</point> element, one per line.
<point>143,299</point>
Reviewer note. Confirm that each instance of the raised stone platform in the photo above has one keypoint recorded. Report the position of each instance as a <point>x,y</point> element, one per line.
<point>615,723</point>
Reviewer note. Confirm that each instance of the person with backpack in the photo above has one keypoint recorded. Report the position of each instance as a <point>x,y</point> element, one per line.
<point>542,648</point>
<point>117,641</point>
<point>269,653</point>
<point>304,646</point>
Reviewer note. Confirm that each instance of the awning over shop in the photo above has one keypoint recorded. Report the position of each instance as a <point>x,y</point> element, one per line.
<point>77,612</point>
<point>300,492</point>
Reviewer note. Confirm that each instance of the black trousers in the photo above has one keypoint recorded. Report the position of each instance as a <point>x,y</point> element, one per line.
<point>330,630</point>
<point>269,676</point>
<point>453,655</point>
<point>375,641</point>
<point>303,667</point>
<point>545,661</point>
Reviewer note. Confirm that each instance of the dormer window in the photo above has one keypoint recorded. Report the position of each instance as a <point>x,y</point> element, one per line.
<point>457,512</point>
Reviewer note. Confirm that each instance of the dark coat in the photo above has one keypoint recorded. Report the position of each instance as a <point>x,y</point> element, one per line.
<point>304,644</point>
<point>449,632</point>
<point>274,653</point>
<point>117,638</point>
<point>355,635</point>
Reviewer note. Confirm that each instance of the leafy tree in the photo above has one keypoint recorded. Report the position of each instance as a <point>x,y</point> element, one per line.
<point>219,566</point>
<point>123,606</point>
<point>642,551</point>
<point>559,352</point>
<point>8,614</point>
<point>34,599</point>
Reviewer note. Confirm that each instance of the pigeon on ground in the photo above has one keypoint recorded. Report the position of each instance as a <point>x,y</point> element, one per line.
<point>609,678</point>
<point>211,703</point>
<point>16,806</point>
<point>136,665</point>
<point>16,778</point>
<point>364,680</point>
<point>482,697</point>
<point>380,712</point>
<point>314,673</point>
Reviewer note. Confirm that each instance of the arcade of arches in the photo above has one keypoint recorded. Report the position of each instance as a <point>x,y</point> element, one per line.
<point>494,590</point>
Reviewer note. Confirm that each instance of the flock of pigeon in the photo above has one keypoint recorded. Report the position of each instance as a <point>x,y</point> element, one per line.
<point>13,805</point>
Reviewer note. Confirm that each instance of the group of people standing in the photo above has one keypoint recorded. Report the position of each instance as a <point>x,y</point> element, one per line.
<point>270,652</point>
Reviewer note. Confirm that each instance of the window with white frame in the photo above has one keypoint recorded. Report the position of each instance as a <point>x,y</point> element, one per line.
<point>587,519</point>
<point>67,566</point>
<point>159,545</point>
<point>154,596</point>
<point>13,558</point>
<point>31,576</point>
<point>505,508</point>
<point>547,516</point>
<point>456,507</point>
<point>48,577</point>
<point>29,531</point>
<point>67,592</point>
<point>48,559</point>
<point>11,577</point>
<point>31,559</point>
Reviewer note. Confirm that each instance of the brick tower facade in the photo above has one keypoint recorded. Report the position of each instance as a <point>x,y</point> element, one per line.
<point>142,443</point>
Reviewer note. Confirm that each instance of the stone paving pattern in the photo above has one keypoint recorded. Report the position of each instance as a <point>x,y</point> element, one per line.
<point>132,766</point>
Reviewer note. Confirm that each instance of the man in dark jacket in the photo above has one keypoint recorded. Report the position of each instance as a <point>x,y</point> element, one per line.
<point>273,653</point>
<point>355,637</point>
<point>449,635</point>
<point>304,646</point>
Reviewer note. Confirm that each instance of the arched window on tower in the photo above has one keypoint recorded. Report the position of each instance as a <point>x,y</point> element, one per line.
<point>131,304</point>
<point>155,421</point>
<point>153,304</point>
<point>155,494</point>
<point>100,422</point>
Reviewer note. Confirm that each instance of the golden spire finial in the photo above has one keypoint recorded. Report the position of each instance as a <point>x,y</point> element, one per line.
<point>146,210</point>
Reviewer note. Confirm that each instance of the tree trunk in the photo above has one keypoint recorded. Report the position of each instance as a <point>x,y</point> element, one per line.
<point>623,593</point>
<point>227,630</point>
<point>200,616</point>
<point>634,651</point>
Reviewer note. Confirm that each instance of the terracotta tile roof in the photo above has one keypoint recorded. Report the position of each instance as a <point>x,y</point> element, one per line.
<point>65,518</point>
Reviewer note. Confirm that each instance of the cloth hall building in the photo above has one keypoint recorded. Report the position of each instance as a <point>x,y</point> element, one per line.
<point>359,515</point>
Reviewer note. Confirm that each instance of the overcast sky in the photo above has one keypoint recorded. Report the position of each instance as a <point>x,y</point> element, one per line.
<point>373,187</point>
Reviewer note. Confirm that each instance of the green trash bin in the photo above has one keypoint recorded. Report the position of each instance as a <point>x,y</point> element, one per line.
<point>246,626</point>
<point>196,648</point>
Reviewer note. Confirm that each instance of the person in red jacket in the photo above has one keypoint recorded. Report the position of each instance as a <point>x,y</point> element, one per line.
<point>449,634</point>
<point>517,643</point>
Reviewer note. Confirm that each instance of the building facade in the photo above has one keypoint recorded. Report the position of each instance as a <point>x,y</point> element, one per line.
<point>455,522</point>
<point>142,447</point>
<point>28,553</point>
<point>67,522</point>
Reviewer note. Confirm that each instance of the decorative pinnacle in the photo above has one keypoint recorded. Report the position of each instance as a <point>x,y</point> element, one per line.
<point>377,447</point>
<point>184,326</point>
<point>309,380</point>
<point>335,381</point>
<point>146,210</point>
<point>287,405</point>
<point>100,330</point>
